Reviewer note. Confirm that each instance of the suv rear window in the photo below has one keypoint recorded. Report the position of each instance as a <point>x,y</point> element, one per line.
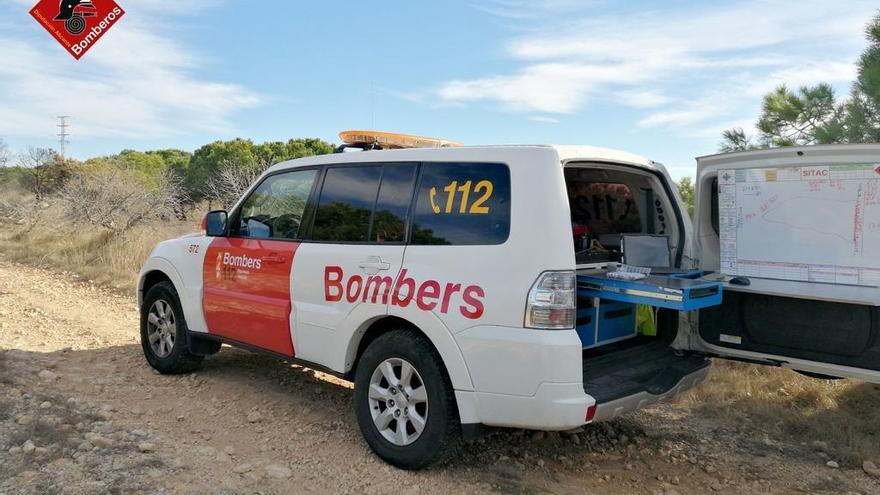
<point>604,207</point>
<point>462,204</point>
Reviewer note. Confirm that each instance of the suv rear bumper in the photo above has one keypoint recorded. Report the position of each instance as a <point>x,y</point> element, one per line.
<point>556,406</point>
<point>523,378</point>
<point>517,361</point>
<point>534,379</point>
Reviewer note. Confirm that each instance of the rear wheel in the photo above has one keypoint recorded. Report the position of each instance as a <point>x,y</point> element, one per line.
<point>164,332</point>
<point>404,401</point>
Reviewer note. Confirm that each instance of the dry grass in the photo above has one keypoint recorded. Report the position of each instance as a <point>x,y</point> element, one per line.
<point>780,403</point>
<point>94,254</point>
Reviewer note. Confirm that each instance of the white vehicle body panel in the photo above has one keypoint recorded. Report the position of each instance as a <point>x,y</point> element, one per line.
<point>182,261</point>
<point>323,330</point>
<point>503,374</point>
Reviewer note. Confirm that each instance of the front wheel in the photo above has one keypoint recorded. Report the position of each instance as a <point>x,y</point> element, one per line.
<point>164,332</point>
<point>404,401</point>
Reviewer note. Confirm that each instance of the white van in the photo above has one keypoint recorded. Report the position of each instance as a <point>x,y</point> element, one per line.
<point>467,286</point>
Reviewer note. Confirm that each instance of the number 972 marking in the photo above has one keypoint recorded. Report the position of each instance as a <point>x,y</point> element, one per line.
<point>476,208</point>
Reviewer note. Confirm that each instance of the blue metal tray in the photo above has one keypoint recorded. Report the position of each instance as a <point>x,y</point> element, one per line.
<point>680,292</point>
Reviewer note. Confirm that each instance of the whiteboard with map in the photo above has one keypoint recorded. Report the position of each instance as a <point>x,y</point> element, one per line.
<point>817,224</point>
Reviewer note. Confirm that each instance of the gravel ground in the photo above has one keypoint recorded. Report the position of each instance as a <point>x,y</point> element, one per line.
<point>81,412</point>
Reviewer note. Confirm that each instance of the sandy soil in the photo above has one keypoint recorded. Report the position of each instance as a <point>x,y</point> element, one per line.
<point>81,412</point>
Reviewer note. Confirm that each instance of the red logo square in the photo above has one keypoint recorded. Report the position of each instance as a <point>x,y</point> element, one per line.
<point>77,24</point>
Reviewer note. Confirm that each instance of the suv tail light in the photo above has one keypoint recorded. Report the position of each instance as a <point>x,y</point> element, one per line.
<point>552,303</point>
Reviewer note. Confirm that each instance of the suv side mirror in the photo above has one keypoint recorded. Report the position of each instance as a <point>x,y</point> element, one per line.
<point>215,223</point>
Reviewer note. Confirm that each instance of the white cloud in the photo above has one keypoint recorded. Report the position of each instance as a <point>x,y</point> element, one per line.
<point>694,66</point>
<point>137,81</point>
<point>677,117</point>
<point>528,10</point>
<point>544,119</point>
<point>806,74</point>
<point>710,111</point>
<point>550,87</point>
<point>642,98</point>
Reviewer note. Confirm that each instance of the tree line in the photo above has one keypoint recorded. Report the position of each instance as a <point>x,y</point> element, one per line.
<point>119,192</point>
<point>198,175</point>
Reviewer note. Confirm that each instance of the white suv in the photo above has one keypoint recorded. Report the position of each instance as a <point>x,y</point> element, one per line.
<point>447,285</point>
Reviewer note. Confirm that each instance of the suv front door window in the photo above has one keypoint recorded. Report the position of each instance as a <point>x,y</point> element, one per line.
<point>275,209</point>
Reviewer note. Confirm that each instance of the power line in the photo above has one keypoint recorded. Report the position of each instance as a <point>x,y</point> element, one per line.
<point>63,135</point>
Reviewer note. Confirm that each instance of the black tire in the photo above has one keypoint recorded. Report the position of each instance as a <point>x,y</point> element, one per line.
<point>442,428</point>
<point>179,359</point>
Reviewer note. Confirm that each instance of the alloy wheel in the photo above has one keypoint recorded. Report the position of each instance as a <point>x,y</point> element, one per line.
<point>398,401</point>
<point>161,328</point>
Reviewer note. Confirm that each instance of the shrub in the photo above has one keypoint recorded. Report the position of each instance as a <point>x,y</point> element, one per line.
<point>232,180</point>
<point>43,171</point>
<point>118,200</point>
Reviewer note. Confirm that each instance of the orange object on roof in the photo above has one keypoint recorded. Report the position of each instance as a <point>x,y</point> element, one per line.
<point>391,140</point>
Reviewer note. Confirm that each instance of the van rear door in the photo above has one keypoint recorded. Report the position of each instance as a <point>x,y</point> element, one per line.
<point>795,234</point>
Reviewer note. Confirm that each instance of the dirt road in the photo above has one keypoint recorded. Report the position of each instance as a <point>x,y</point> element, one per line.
<point>80,412</point>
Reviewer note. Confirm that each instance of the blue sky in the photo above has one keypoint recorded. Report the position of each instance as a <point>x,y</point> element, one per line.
<point>658,79</point>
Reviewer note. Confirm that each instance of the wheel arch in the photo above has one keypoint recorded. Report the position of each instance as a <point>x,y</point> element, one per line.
<point>151,278</point>
<point>157,270</point>
<point>442,342</point>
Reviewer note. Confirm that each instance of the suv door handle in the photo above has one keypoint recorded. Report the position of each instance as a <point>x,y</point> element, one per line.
<point>373,264</point>
<point>274,258</point>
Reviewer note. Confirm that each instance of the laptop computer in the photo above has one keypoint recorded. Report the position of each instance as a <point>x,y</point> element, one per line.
<point>649,251</point>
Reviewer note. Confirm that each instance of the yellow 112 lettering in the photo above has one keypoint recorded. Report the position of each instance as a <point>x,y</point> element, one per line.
<point>452,189</point>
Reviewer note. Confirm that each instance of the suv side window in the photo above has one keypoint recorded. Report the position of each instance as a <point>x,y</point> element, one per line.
<point>462,204</point>
<point>346,203</point>
<point>274,210</point>
<point>392,206</point>
<point>365,203</point>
